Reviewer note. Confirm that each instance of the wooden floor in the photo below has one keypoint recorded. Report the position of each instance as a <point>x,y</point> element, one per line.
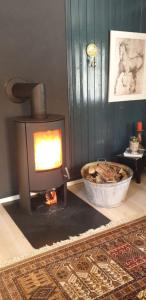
<point>13,243</point>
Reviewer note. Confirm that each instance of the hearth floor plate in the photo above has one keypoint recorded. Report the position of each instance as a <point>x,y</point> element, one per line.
<point>47,226</point>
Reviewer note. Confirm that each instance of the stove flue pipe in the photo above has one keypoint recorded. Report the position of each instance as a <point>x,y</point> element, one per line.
<point>35,92</point>
<point>38,103</point>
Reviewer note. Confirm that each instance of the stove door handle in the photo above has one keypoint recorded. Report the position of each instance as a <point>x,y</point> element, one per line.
<point>66,173</point>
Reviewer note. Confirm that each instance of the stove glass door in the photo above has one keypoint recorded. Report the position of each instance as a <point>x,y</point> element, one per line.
<point>47,149</point>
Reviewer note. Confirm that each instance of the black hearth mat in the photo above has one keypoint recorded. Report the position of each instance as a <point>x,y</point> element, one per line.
<point>46,226</point>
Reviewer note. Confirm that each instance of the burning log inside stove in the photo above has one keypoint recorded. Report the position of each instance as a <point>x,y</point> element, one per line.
<point>51,197</point>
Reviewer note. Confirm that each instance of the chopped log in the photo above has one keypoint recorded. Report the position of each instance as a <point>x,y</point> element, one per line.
<point>105,173</point>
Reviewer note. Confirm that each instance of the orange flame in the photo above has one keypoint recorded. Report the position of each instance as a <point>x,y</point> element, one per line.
<point>48,149</point>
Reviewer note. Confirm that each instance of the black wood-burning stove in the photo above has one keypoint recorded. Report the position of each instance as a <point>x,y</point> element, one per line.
<point>40,145</point>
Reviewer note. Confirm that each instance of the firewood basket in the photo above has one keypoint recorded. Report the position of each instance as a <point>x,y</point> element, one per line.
<point>106,194</point>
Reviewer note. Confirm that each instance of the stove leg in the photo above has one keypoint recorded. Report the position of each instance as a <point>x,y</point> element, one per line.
<point>65,194</point>
<point>22,161</point>
<point>25,201</point>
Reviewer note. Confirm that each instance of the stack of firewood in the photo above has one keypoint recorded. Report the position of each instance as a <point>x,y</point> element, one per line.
<point>105,173</point>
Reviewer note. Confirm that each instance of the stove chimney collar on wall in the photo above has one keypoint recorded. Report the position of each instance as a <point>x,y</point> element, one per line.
<point>19,91</point>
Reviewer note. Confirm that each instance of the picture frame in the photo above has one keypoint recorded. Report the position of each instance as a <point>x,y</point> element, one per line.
<point>127,66</point>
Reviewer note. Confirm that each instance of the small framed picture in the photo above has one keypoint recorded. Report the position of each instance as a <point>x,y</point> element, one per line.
<point>127,66</point>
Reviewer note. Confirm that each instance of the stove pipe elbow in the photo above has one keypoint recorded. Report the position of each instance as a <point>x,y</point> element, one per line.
<point>19,92</point>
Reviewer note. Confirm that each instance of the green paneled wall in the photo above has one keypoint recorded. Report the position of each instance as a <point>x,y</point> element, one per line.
<point>98,128</point>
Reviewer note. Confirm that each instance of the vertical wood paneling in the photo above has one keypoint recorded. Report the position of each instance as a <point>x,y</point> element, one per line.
<point>98,128</point>
<point>75,110</point>
<point>91,79</point>
<point>143,16</point>
<point>84,87</point>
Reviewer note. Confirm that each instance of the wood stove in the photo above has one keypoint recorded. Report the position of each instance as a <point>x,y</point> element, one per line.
<point>40,145</point>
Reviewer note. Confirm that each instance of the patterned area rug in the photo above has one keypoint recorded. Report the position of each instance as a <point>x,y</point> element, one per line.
<point>110,266</point>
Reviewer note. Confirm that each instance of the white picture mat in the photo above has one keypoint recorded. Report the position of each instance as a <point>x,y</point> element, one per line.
<point>119,67</point>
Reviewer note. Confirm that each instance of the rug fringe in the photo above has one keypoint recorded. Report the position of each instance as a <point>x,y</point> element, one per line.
<point>71,239</point>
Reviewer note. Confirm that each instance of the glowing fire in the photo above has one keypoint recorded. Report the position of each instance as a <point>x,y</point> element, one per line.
<point>48,149</point>
<point>51,197</point>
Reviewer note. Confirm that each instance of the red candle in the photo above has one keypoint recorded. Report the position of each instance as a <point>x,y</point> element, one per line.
<point>139,126</point>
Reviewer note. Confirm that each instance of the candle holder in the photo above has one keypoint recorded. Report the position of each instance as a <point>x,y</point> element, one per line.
<point>139,126</point>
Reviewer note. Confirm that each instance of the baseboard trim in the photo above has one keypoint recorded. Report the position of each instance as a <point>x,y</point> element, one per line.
<point>70,183</point>
<point>12,198</point>
<point>9,199</point>
<point>16,197</point>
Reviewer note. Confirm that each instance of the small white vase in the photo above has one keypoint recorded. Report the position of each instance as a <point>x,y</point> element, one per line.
<point>134,146</point>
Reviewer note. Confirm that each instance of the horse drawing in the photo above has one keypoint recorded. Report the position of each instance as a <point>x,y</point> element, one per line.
<point>127,69</point>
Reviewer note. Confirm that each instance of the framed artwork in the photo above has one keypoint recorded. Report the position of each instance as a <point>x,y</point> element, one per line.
<point>127,66</point>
